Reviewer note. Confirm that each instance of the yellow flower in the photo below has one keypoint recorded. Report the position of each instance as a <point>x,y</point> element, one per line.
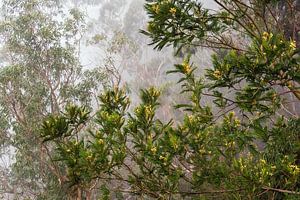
<point>263,161</point>
<point>137,110</point>
<point>202,151</point>
<point>217,74</point>
<point>148,111</point>
<point>163,158</point>
<point>173,11</point>
<point>186,68</point>
<point>294,169</point>
<point>155,8</point>
<point>100,141</point>
<point>293,45</point>
<point>153,150</point>
<point>191,118</point>
<point>154,92</point>
<point>237,122</point>
<point>293,166</point>
<point>265,35</point>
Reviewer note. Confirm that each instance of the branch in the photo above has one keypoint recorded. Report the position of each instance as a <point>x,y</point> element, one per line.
<point>281,190</point>
<point>209,192</point>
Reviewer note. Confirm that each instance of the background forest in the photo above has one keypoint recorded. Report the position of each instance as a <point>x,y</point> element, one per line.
<point>157,99</point>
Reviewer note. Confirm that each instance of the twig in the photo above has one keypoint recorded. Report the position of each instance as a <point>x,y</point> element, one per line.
<point>281,190</point>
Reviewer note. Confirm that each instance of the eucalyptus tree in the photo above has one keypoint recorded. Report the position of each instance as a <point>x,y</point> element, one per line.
<point>40,74</point>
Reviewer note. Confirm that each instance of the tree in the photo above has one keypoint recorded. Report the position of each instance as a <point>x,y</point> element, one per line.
<point>126,49</point>
<point>245,145</point>
<point>41,75</point>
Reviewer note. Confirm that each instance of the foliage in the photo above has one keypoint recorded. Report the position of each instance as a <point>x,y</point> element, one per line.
<point>245,145</point>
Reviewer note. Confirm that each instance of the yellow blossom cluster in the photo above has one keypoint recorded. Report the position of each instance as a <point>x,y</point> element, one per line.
<point>241,164</point>
<point>192,119</point>
<point>153,150</point>
<point>202,151</point>
<point>173,11</point>
<point>100,141</point>
<point>294,169</point>
<point>237,122</point>
<point>137,110</point>
<point>154,92</point>
<point>230,144</point>
<point>263,161</point>
<point>293,45</point>
<point>267,36</point>
<point>232,119</point>
<point>155,8</point>
<point>164,159</point>
<point>217,74</point>
<point>186,67</point>
<point>148,110</point>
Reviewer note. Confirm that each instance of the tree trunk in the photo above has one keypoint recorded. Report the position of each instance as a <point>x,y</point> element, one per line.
<point>88,195</point>
<point>79,194</point>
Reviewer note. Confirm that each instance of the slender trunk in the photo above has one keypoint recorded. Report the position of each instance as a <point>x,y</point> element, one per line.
<point>79,194</point>
<point>88,195</point>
